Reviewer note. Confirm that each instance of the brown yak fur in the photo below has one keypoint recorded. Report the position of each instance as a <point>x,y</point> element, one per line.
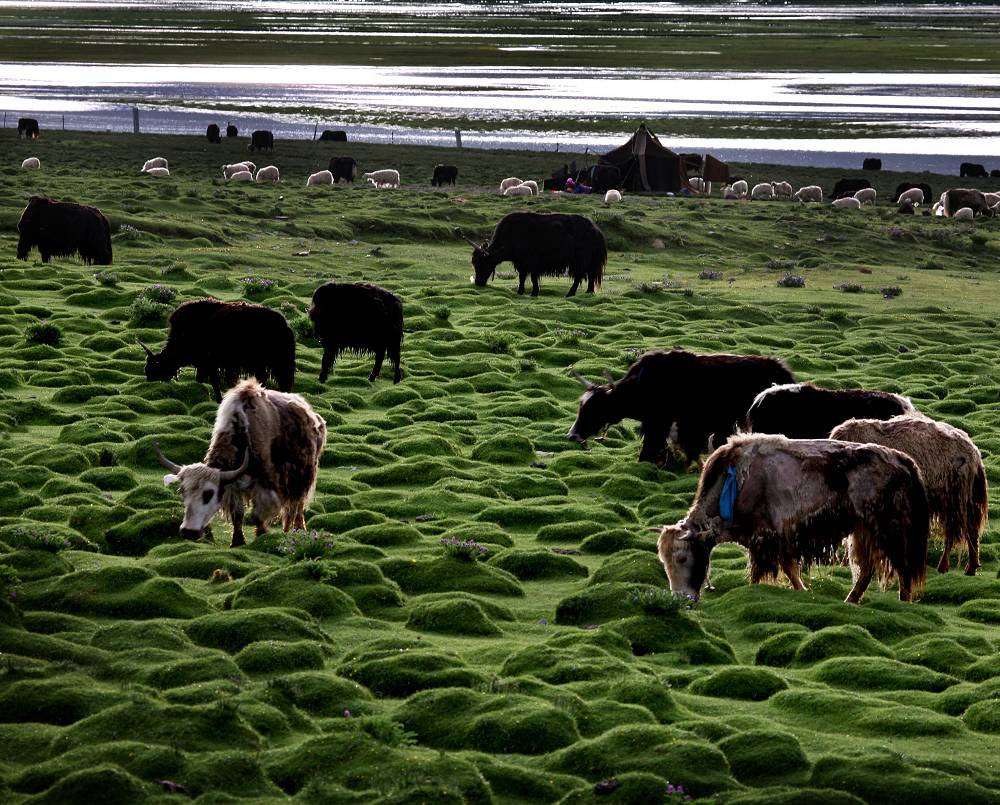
<point>285,438</point>
<point>799,498</point>
<point>953,471</point>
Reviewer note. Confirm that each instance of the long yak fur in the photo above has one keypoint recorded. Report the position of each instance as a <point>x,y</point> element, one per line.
<point>953,472</point>
<point>798,500</point>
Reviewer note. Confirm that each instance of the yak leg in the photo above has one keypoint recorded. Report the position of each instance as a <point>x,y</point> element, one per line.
<point>791,569</point>
<point>653,441</point>
<point>216,381</point>
<point>522,276</point>
<point>972,543</point>
<point>329,358</point>
<point>236,515</point>
<point>862,570</point>
<point>377,368</point>
<point>534,283</point>
<point>574,286</point>
<point>945,562</point>
<point>397,375</point>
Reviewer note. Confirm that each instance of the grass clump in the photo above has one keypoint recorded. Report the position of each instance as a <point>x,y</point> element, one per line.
<point>465,617</point>
<point>758,755</point>
<point>751,684</point>
<point>531,565</point>
<point>44,332</point>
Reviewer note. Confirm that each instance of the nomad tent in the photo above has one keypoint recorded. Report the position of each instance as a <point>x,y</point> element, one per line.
<point>647,165</point>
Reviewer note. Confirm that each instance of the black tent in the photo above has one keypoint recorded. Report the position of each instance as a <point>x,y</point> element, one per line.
<point>647,165</point>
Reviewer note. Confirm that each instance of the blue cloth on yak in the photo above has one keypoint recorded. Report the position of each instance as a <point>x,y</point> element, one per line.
<point>727,500</point>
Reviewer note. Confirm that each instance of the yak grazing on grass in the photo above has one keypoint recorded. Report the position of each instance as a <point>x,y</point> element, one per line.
<point>224,340</point>
<point>358,317</point>
<point>265,450</point>
<point>704,397</point>
<point>953,471</point>
<point>64,227</point>
<point>544,243</point>
<point>791,502</point>
<point>805,411</point>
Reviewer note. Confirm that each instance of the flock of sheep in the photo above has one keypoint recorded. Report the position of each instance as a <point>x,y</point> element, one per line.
<point>247,171</point>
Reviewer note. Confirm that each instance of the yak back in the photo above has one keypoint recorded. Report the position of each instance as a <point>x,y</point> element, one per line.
<point>357,316</point>
<point>548,238</point>
<point>64,227</point>
<point>960,197</point>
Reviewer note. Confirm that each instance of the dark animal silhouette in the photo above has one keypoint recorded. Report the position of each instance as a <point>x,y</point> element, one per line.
<point>345,168</point>
<point>848,187</point>
<point>27,127</point>
<point>871,164</point>
<point>964,197</point>
<point>224,340</point>
<point>544,244</point>
<point>703,397</point>
<point>605,177</point>
<point>212,133</point>
<point>972,170</point>
<point>64,227</point>
<point>261,140</point>
<point>329,135</point>
<point>444,174</point>
<point>358,317</point>
<point>902,187</point>
<point>231,130</point>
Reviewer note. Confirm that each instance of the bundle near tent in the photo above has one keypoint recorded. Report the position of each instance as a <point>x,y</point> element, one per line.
<point>715,170</point>
<point>646,165</point>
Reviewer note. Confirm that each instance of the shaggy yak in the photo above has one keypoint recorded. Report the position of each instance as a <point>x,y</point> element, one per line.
<point>546,243</point>
<point>224,340</point>
<point>703,397</point>
<point>805,411</point>
<point>265,451</point>
<point>791,502</point>
<point>358,317</point>
<point>953,471</point>
<point>64,227</point>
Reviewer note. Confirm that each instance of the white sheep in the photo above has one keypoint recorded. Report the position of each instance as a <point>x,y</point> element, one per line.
<point>729,194</point>
<point>740,188</point>
<point>518,190</point>
<point>762,190</point>
<point>155,162</point>
<point>964,214</point>
<point>914,195</point>
<point>810,192</point>
<point>530,183</point>
<point>32,162</point>
<point>387,177</point>
<point>847,203</point>
<point>781,189</point>
<point>241,176</point>
<point>866,195</point>
<point>510,181</point>
<point>158,173</point>
<point>268,174</point>
<point>236,167</point>
<point>938,209</point>
<point>322,177</point>
<point>612,197</point>
<point>699,185</point>
<point>250,166</point>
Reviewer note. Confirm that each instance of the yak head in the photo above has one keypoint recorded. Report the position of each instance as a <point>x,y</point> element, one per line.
<point>202,488</point>
<point>596,411</point>
<point>158,366</point>
<point>685,555</point>
<point>484,266</point>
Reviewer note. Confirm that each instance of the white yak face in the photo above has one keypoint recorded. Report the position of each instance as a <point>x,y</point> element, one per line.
<point>685,557</point>
<point>201,489</point>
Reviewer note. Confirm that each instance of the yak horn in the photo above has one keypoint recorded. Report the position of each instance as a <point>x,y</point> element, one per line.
<point>608,376</point>
<point>582,379</point>
<point>148,350</point>
<point>472,243</point>
<point>166,462</point>
<point>228,475</point>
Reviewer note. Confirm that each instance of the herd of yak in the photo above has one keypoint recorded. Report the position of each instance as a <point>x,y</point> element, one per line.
<point>801,470</point>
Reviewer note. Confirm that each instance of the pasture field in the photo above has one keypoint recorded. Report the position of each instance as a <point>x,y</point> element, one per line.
<point>377,664</point>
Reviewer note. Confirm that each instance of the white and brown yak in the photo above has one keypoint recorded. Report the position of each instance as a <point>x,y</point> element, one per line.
<point>265,450</point>
<point>791,502</point>
<point>953,472</point>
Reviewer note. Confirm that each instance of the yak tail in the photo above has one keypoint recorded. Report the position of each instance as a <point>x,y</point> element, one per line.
<point>914,525</point>
<point>979,511</point>
<point>599,259</point>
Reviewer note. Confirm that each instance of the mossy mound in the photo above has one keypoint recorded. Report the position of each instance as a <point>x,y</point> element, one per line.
<point>234,630</point>
<point>880,673</point>
<point>302,585</point>
<point>739,682</point>
<point>613,540</point>
<point>462,617</point>
<point>511,780</point>
<point>653,695</point>
<point>506,448</point>
<point>192,670</point>
<point>676,637</point>
<point>61,701</point>
<point>365,583</point>
<point>385,534</point>
<point>105,783</point>
<point>957,588</point>
<point>602,602</point>
<point>631,787</point>
<point>797,795</point>
<point>449,573</point>
<point>758,755</point>
<point>321,693</point>
<point>110,479</point>
<point>531,565</point>
<point>631,566</point>
<point>457,718</point>
<point>66,459</point>
<point>185,560</point>
<point>117,591</point>
<point>127,635</point>
<point>559,662</point>
<point>344,521</point>
<point>279,657</point>
<point>36,564</point>
<point>983,610</point>
<point>568,532</point>
<point>941,654</point>
<point>144,530</point>
<point>396,668</point>
<point>778,651</point>
<point>839,641</point>
<point>983,716</point>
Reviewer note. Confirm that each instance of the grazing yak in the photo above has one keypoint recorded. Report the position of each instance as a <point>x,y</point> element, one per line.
<point>953,473</point>
<point>27,127</point>
<point>848,187</point>
<point>972,170</point>
<point>704,397</point>
<point>345,168</point>
<point>871,164</point>
<point>791,502</point>
<point>261,140</point>
<point>956,199</point>
<point>232,131</point>
<point>358,317</point>
<point>543,244</point>
<point>265,451</point>
<point>212,133</point>
<point>805,411</point>
<point>224,340</point>
<point>444,174</point>
<point>64,227</point>
<point>334,136</point>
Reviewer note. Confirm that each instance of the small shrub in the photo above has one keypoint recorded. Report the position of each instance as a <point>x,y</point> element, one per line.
<point>161,294</point>
<point>301,544</point>
<point>108,278</point>
<point>791,281</point>
<point>890,291</point>
<point>467,550</point>
<point>527,365</point>
<point>255,286</point>
<point>849,287</point>
<point>303,328</point>
<point>650,287</point>
<point>631,355</point>
<point>658,602</point>
<point>499,344</point>
<point>32,539</point>
<point>143,312</point>
<point>43,332</point>
<point>776,264</point>
<point>709,274</point>
<point>442,312</point>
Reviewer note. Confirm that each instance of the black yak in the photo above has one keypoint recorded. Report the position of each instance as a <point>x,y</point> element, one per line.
<point>960,197</point>
<point>265,451</point>
<point>358,317</point>
<point>544,243</point>
<point>444,174</point>
<point>64,227</point>
<point>704,397</point>
<point>212,133</point>
<point>224,340</point>
<point>805,411</point>
<point>871,164</point>
<point>848,187</point>
<point>973,170</point>
<point>925,188</point>
<point>261,140</point>
<point>791,502</point>
<point>345,168</point>
<point>336,136</point>
<point>231,130</point>
<point>27,127</point>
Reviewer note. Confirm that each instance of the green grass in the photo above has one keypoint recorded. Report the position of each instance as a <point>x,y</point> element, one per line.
<point>387,667</point>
